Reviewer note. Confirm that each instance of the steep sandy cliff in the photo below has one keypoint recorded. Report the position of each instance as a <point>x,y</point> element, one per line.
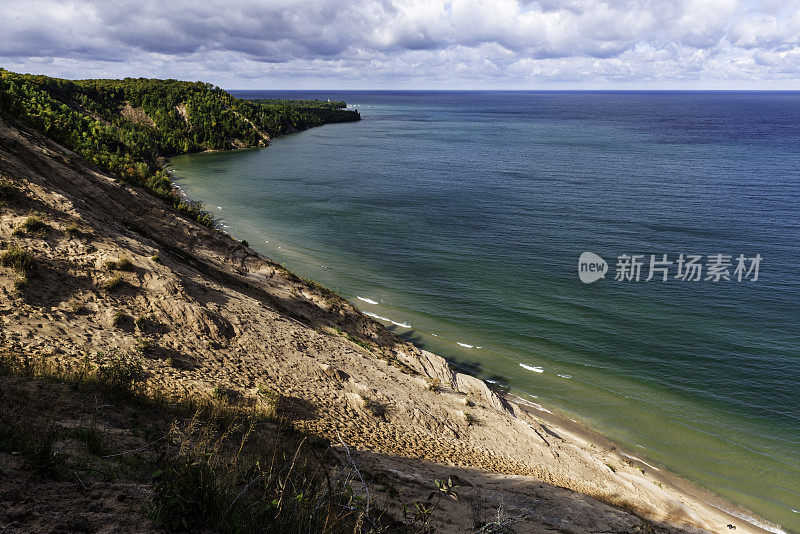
<point>119,272</point>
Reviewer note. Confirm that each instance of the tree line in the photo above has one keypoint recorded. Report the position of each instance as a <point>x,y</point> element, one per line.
<point>128,126</point>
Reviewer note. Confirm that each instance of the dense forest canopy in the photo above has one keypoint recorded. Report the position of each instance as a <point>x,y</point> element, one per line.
<point>127,126</point>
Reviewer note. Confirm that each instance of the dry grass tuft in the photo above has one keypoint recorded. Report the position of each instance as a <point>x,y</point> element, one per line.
<point>18,259</point>
<point>113,283</point>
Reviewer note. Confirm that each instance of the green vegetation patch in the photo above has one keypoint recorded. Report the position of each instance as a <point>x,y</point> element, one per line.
<point>113,283</point>
<point>32,225</point>
<point>122,373</point>
<point>122,264</point>
<point>18,259</point>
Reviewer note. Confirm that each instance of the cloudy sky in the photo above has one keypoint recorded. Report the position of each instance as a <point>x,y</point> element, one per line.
<point>412,44</point>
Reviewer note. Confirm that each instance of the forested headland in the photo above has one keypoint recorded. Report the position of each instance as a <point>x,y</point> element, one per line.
<point>127,127</point>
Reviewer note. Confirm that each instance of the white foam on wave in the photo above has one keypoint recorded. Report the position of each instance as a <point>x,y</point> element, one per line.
<point>640,461</point>
<point>795,511</point>
<point>534,405</point>
<point>219,207</point>
<point>387,320</point>
<point>565,376</point>
<point>364,299</point>
<point>532,368</point>
<point>464,345</point>
<point>541,408</point>
<point>435,335</point>
<point>379,317</point>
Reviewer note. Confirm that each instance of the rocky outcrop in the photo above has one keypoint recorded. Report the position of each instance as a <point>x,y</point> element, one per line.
<point>435,367</point>
<point>475,387</point>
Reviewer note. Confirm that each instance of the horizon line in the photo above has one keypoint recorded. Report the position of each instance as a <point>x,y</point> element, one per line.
<point>532,90</point>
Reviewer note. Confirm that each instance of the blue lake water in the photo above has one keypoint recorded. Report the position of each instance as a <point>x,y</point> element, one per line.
<point>460,216</point>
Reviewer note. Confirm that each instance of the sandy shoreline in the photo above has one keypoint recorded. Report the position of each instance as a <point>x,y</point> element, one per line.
<point>217,314</point>
<point>659,473</point>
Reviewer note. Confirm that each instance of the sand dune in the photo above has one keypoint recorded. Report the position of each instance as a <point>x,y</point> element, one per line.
<point>202,311</point>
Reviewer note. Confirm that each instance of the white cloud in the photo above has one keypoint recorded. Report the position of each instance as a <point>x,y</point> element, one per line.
<point>408,43</point>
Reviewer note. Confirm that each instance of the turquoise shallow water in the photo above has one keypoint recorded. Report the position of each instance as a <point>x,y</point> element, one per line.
<point>460,217</point>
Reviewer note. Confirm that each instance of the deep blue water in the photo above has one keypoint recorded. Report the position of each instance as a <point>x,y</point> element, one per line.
<point>462,215</point>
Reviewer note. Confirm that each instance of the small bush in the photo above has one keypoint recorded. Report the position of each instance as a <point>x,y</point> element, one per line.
<point>119,318</point>
<point>18,259</point>
<point>7,189</point>
<point>470,419</point>
<point>122,375</point>
<point>34,225</point>
<point>113,283</point>
<point>374,407</point>
<point>434,384</point>
<point>245,243</point>
<point>156,258</point>
<point>122,264</point>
